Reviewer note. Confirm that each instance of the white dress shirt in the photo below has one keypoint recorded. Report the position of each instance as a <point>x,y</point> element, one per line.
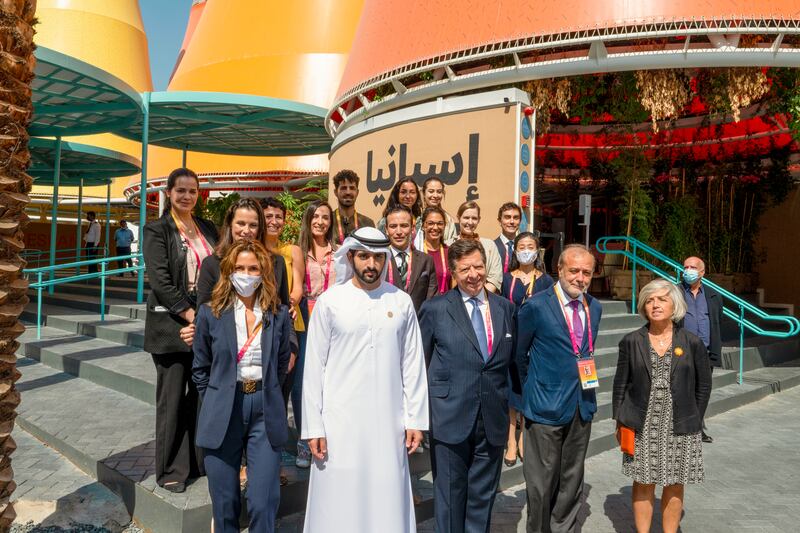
<point>565,299</point>
<point>93,233</point>
<point>482,307</point>
<point>250,365</point>
<point>396,255</point>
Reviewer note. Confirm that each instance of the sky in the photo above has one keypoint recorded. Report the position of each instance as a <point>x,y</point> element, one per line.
<point>165,23</point>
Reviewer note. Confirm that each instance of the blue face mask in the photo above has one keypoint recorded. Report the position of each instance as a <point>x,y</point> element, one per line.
<point>690,275</point>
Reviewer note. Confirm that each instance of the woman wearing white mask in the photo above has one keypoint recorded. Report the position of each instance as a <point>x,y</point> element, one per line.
<point>241,355</point>
<point>525,277</point>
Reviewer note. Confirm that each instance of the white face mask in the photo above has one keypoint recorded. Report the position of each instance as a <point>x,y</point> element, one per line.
<point>526,257</point>
<point>245,284</point>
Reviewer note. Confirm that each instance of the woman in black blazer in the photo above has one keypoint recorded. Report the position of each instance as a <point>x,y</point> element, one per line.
<point>174,247</point>
<point>661,390</point>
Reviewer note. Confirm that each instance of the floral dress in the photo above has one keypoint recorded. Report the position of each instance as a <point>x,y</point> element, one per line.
<point>660,456</point>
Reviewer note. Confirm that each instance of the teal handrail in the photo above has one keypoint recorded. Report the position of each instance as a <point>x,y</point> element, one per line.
<point>40,256</point>
<point>635,247</point>
<point>41,284</point>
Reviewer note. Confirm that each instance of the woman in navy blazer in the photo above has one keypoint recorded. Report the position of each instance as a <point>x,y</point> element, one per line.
<point>241,355</point>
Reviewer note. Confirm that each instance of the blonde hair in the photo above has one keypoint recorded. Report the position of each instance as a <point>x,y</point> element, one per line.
<point>673,291</point>
<point>224,295</point>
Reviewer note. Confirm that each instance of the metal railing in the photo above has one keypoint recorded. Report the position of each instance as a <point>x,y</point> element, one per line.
<point>49,271</point>
<point>634,250</point>
<point>38,258</point>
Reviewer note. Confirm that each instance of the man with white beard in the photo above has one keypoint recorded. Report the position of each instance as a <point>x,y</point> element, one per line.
<point>365,396</point>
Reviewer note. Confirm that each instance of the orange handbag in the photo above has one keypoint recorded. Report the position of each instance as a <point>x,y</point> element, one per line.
<point>627,439</point>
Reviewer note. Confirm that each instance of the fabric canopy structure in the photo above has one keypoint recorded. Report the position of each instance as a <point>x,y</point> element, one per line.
<point>234,124</point>
<point>90,165</point>
<point>71,97</point>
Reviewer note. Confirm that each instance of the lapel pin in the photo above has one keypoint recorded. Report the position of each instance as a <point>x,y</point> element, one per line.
<point>678,351</point>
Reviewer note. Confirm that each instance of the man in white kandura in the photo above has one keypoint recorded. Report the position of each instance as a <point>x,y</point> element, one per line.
<point>365,396</point>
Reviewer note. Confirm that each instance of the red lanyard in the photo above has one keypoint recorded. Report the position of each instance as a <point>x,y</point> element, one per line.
<point>339,223</point>
<point>250,340</point>
<point>528,291</point>
<point>444,276</point>
<point>188,242</point>
<point>587,330</point>
<point>327,277</point>
<point>488,321</point>
<point>506,260</point>
<point>408,272</point>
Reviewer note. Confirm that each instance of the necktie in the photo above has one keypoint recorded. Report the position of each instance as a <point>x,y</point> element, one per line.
<point>577,325</point>
<point>402,268</point>
<point>480,329</point>
<point>510,246</point>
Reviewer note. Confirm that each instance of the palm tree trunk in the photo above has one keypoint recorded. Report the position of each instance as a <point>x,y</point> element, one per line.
<point>16,72</point>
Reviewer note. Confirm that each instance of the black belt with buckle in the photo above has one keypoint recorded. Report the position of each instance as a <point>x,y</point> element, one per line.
<point>249,386</point>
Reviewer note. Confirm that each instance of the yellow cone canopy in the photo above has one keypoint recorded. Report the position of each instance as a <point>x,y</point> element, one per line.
<point>291,50</point>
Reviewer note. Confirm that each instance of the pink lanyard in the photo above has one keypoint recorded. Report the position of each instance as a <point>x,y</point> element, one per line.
<point>489,332</point>
<point>327,277</point>
<point>408,273</point>
<point>505,261</point>
<point>188,242</point>
<point>247,344</point>
<point>588,328</point>
<point>528,291</point>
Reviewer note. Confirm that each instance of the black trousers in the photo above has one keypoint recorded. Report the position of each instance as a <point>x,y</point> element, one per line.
<point>553,470</point>
<point>91,253</point>
<point>177,458</point>
<point>465,479</point>
<point>124,250</point>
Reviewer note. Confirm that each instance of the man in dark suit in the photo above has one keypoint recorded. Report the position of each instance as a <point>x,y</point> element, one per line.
<point>467,336</point>
<point>703,313</point>
<point>410,270</point>
<point>556,329</point>
<point>509,216</point>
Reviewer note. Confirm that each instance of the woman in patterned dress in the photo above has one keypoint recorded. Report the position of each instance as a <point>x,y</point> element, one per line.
<point>661,390</point>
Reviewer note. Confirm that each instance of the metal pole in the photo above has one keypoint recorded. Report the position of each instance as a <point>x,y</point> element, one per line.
<point>741,343</point>
<point>54,213</point>
<point>633,283</point>
<point>143,193</point>
<point>183,160</point>
<point>78,227</point>
<point>531,223</point>
<point>39,305</point>
<point>108,221</point>
<point>103,291</point>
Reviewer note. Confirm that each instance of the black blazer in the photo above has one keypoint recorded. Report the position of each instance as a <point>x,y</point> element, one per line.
<point>459,382</point>
<point>690,381</point>
<point>214,373</point>
<point>209,275</point>
<point>165,260</point>
<point>422,285</point>
<point>714,302</point>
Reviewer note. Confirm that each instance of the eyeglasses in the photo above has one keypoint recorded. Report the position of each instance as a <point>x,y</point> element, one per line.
<point>434,224</point>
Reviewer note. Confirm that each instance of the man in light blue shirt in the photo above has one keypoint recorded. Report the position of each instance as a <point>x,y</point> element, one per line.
<point>124,237</point>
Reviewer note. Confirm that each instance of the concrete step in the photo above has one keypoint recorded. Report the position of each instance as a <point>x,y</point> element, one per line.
<point>79,302</point>
<point>90,289</point>
<point>115,328</point>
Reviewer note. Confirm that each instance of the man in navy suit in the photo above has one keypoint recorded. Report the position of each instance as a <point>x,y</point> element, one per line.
<point>509,216</point>
<point>468,339</point>
<point>556,330</point>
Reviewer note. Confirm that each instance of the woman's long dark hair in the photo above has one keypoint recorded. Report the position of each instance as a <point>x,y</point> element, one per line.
<point>538,264</point>
<point>226,235</point>
<point>394,198</point>
<point>224,295</point>
<point>172,179</point>
<point>306,238</point>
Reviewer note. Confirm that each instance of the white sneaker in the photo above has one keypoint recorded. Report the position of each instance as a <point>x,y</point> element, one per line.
<point>303,459</point>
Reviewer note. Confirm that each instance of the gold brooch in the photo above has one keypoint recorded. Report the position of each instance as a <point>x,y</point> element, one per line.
<point>678,351</point>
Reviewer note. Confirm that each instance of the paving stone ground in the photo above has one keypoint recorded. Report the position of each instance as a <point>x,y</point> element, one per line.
<point>52,492</point>
<point>752,480</point>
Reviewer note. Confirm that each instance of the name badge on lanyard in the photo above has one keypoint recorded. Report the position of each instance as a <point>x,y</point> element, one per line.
<point>587,372</point>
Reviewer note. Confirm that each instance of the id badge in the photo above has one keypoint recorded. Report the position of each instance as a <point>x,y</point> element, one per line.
<point>588,373</point>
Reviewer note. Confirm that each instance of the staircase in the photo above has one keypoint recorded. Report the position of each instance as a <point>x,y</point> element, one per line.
<point>88,391</point>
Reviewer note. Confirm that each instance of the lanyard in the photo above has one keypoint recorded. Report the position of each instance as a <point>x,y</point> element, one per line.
<point>179,224</point>
<point>408,272</point>
<point>528,291</point>
<point>339,223</point>
<point>444,276</point>
<point>588,328</point>
<point>506,260</point>
<point>488,321</point>
<point>327,276</point>
<point>247,344</point>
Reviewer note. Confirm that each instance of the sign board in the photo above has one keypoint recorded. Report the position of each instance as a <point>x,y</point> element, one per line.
<point>475,150</point>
